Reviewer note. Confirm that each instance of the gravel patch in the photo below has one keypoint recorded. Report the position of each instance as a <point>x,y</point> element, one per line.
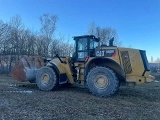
<point>26,101</point>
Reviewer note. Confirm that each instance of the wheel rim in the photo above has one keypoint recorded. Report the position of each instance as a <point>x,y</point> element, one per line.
<point>45,78</point>
<point>101,82</point>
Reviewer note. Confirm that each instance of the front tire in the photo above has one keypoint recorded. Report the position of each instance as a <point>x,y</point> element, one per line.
<point>102,81</point>
<point>46,79</point>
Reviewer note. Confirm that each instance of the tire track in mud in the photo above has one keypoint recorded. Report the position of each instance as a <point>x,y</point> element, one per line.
<point>13,88</point>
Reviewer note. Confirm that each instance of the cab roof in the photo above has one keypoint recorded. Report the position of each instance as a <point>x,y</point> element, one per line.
<point>86,36</point>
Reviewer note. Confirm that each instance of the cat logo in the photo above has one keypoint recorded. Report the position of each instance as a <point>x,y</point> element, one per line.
<point>105,53</point>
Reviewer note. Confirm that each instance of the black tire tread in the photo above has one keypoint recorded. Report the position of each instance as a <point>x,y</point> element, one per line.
<point>116,82</point>
<point>55,78</point>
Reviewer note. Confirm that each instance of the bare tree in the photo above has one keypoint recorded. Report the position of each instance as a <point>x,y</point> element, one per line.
<point>152,60</point>
<point>16,35</point>
<point>104,33</point>
<point>61,46</point>
<point>3,29</point>
<point>157,60</point>
<point>5,60</point>
<point>54,47</point>
<point>17,41</point>
<point>48,23</point>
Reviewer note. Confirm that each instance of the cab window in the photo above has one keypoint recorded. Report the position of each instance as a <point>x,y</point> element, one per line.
<point>82,44</point>
<point>93,44</point>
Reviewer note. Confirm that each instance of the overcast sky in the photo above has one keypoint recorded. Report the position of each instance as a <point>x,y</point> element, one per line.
<point>137,21</point>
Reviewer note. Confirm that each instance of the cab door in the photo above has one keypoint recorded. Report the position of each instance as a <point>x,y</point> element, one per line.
<point>82,49</point>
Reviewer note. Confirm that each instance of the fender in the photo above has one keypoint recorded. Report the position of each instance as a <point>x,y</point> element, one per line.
<point>51,64</point>
<point>59,69</point>
<point>105,62</point>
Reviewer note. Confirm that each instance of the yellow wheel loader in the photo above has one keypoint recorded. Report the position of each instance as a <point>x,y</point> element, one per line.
<point>102,68</point>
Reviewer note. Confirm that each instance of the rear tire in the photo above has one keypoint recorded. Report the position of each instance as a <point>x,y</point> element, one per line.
<point>102,81</point>
<point>46,79</point>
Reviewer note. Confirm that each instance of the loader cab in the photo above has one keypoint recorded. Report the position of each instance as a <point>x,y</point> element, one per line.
<point>84,47</point>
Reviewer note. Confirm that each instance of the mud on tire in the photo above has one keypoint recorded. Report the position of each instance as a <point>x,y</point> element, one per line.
<point>46,79</point>
<point>102,81</point>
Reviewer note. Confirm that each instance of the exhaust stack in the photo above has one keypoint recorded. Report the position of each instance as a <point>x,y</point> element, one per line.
<point>111,41</point>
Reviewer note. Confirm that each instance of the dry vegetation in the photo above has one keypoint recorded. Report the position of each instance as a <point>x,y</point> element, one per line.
<point>25,101</point>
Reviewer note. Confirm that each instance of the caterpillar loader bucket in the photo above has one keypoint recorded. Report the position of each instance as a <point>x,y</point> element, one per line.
<point>25,69</point>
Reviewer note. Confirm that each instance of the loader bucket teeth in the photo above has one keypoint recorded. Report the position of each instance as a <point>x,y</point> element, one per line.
<point>25,69</point>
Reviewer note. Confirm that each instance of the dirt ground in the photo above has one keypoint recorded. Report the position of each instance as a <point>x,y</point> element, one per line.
<point>26,101</point>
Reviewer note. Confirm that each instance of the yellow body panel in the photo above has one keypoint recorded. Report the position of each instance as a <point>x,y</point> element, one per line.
<point>138,74</point>
<point>64,68</point>
<point>135,60</point>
